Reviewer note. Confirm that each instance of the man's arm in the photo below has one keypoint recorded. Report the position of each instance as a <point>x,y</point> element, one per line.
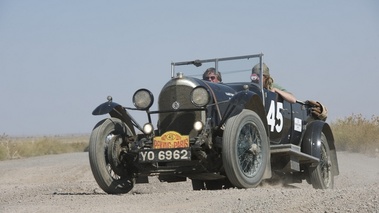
<point>285,95</point>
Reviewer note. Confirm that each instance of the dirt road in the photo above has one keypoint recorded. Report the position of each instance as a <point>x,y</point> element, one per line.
<point>64,183</point>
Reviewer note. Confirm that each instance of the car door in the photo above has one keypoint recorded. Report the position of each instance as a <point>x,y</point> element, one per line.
<point>278,114</point>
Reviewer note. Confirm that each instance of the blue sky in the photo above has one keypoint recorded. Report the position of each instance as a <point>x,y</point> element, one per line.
<point>60,59</point>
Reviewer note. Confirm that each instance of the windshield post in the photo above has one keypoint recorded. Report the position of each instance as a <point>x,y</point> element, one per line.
<point>216,65</point>
<point>172,69</point>
<point>261,77</point>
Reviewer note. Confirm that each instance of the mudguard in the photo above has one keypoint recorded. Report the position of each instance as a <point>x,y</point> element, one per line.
<point>105,108</point>
<point>311,142</point>
<point>115,110</point>
<point>245,100</point>
<point>249,100</point>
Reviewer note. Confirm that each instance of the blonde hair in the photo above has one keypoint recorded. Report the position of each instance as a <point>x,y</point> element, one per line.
<point>268,83</point>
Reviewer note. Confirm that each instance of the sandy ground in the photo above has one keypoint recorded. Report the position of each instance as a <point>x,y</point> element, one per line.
<point>64,183</point>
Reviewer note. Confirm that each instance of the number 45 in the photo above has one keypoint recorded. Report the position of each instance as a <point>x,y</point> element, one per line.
<point>273,116</point>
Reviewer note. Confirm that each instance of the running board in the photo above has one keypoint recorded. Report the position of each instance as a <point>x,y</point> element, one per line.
<point>292,156</point>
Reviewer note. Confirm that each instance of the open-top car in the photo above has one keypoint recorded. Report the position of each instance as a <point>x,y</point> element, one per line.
<point>219,135</point>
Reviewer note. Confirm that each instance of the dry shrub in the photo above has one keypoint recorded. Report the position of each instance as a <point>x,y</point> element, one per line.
<point>12,148</point>
<point>4,147</point>
<point>353,133</point>
<point>357,134</point>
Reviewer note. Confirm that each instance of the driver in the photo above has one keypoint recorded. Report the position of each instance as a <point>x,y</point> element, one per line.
<point>268,83</point>
<point>211,75</point>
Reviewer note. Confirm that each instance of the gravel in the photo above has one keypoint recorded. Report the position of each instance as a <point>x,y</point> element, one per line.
<point>64,183</point>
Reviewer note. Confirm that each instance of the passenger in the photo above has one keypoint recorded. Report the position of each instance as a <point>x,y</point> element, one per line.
<point>211,75</point>
<point>268,83</point>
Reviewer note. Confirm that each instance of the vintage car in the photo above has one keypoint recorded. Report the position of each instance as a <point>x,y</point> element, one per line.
<point>217,135</point>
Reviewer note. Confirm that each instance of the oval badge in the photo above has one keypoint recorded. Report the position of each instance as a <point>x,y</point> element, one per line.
<point>175,105</point>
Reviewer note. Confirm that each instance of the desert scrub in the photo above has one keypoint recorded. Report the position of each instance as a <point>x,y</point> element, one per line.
<point>13,148</point>
<point>356,133</point>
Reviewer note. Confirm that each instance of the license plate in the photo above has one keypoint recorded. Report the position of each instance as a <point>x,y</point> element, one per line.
<point>165,155</point>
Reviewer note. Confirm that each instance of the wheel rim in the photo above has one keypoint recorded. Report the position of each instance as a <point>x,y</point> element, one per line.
<point>325,167</point>
<point>249,152</point>
<point>108,139</point>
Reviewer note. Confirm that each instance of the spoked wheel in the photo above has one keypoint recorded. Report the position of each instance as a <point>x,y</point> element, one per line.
<point>322,175</point>
<point>245,149</point>
<point>105,148</point>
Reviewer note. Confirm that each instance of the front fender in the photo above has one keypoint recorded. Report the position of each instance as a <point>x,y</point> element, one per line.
<point>245,100</point>
<point>117,111</point>
<point>105,108</point>
<point>239,102</point>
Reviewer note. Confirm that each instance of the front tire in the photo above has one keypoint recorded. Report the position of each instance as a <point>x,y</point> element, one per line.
<point>322,176</point>
<point>104,136</point>
<point>245,149</point>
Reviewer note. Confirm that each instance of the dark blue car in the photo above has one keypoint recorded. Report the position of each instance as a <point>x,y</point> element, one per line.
<point>219,135</point>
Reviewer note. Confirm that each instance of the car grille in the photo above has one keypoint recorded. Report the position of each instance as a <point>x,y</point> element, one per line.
<point>179,121</point>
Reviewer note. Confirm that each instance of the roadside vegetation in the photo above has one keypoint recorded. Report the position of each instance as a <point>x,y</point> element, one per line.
<point>356,133</point>
<point>22,147</point>
<point>353,133</point>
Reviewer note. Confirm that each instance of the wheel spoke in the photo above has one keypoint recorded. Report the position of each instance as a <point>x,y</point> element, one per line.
<point>325,168</point>
<point>104,153</point>
<point>112,173</point>
<point>248,150</point>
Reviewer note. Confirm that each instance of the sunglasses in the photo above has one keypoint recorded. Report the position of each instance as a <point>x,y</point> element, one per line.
<point>212,77</point>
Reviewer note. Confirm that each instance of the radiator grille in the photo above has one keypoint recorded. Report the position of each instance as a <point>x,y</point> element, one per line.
<point>181,122</point>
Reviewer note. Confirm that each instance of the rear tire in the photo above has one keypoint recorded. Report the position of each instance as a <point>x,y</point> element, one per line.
<point>245,149</point>
<point>322,176</point>
<point>104,138</point>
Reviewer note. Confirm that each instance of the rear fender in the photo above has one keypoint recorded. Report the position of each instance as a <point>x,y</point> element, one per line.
<point>115,110</point>
<point>311,142</point>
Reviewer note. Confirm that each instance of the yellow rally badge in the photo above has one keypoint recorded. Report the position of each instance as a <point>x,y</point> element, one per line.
<point>171,139</point>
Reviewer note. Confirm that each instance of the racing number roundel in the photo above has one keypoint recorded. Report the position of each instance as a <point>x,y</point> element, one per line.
<point>275,117</point>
